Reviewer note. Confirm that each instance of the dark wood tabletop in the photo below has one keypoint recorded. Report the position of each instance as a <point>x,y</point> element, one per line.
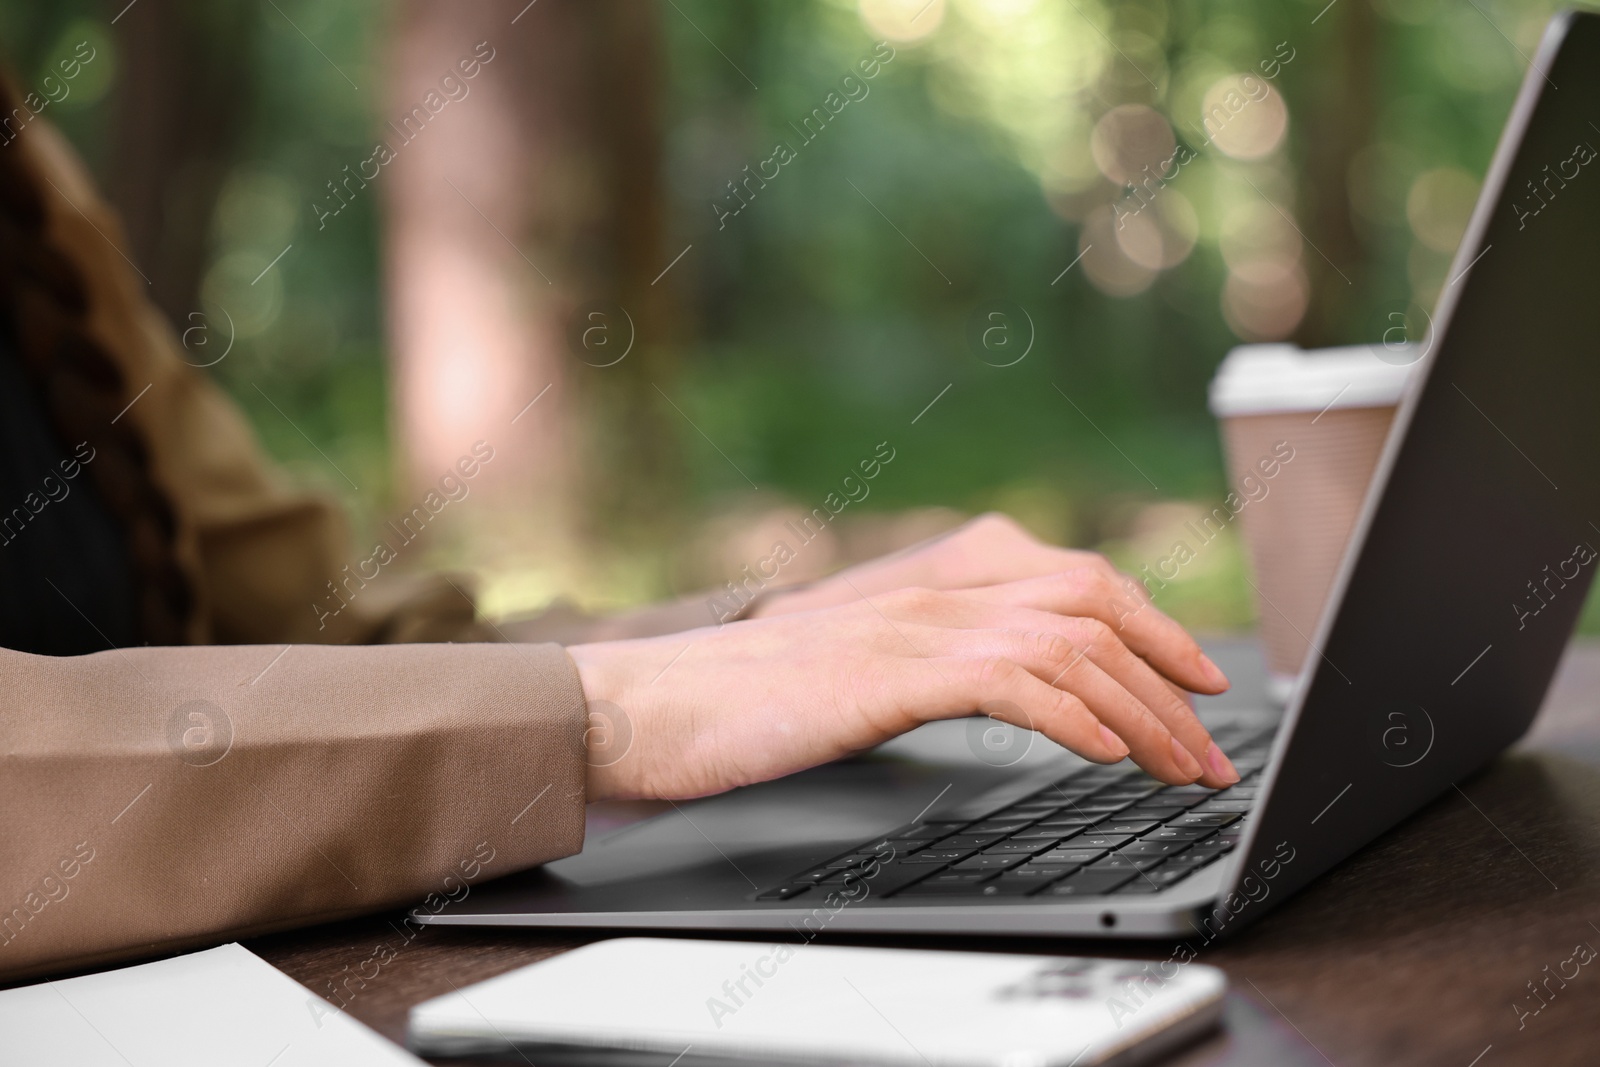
<point>1444,942</point>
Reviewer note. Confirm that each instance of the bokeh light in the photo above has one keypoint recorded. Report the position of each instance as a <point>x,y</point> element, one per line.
<point>903,21</point>
<point>236,286</point>
<point>1265,299</point>
<point>1131,143</point>
<point>1108,268</point>
<point>1244,116</point>
<point>1253,230</point>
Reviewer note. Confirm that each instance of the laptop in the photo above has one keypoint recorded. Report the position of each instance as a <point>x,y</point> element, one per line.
<point>1462,584</point>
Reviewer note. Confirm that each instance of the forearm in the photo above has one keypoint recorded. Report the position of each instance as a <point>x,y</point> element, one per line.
<point>158,797</point>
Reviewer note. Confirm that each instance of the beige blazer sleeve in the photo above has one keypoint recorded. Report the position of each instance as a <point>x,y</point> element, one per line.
<point>157,798</point>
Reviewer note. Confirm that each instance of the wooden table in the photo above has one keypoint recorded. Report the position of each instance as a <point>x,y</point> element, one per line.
<point>1418,950</point>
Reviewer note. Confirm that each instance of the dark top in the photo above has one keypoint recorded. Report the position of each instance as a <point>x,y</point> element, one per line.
<point>66,584</point>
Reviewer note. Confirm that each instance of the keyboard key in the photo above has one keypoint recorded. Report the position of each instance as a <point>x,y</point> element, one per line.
<point>1212,819</point>
<point>965,840</point>
<point>1186,791</point>
<point>1214,844</point>
<point>1124,826</point>
<point>1017,848</point>
<point>1025,819</point>
<point>907,846</point>
<point>1065,818</point>
<point>941,886</point>
<point>1076,856</point>
<point>1100,840</point>
<point>1135,791</point>
<point>1176,804</point>
<point>1036,875</point>
<point>1087,883</point>
<point>1126,775</point>
<point>1047,833</point>
<point>1051,871</point>
<point>938,855</point>
<point>1137,887</point>
<point>1096,806</point>
<point>1121,861</point>
<point>999,826</point>
<point>1154,848</point>
<point>1191,859</point>
<point>896,876</point>
<point>988,863</point>
<point>926,889</point>
<point>1177,833</point>
<point>783,892</point>
<point>1167,874</point>
<point>1239,806</point>
<point>1156,812</point>
<point>959,878</point>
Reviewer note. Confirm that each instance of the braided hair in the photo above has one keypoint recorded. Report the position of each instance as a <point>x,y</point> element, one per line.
<point>44,305</point>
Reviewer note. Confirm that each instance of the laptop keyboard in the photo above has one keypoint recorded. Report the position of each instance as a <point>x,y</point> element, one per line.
<point>1099,831</point>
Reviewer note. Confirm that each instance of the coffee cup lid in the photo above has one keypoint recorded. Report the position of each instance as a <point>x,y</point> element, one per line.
<point>1265,378</point>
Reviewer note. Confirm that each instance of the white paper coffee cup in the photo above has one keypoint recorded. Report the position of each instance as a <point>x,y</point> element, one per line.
<point>1329,410</point>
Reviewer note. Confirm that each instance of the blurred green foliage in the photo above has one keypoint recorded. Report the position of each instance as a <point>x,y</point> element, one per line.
<point>839,304</point>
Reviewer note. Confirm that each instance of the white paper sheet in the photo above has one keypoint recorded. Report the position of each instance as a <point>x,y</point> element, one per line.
<point>222,1006</point>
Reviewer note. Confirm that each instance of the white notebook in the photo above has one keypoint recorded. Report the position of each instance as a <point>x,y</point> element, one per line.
<point>225,1005</point>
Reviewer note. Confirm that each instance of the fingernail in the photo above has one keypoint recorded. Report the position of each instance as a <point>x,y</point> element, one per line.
<point>1213,672</point>
<point>1113,742</point>
<point>1186,762</point>
<point>1220,764</point>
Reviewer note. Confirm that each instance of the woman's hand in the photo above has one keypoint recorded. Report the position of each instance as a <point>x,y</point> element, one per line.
<point>989,550</point>
<point>1072,654</point>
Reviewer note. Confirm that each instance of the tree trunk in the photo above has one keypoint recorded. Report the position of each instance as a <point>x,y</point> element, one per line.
<point>183,98</point>
<point>533,197</point>
<point>1338,86</point>
<point>635,475</point>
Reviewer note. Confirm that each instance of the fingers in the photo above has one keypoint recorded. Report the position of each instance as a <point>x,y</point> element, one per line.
<point>1140,710</point>
<point>1118,685</point>
<point>1124,704</point>
<point>958,685</point>
<point>1197,751</point>
<point>1122,604</point>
